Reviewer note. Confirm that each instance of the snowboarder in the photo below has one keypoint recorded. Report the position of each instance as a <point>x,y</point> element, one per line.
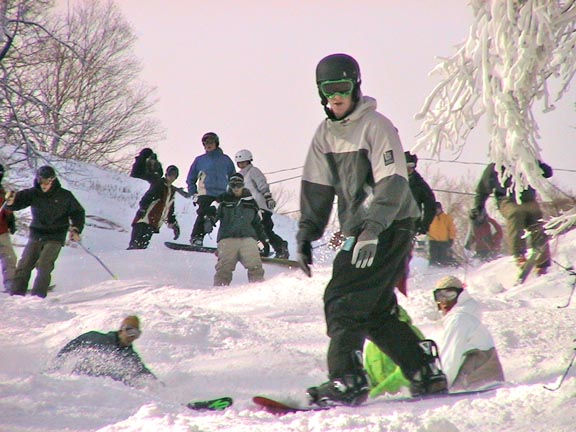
<point>520,215</point>
<point>55,212</point>
<point>484,236</point>
<point>357,156</point>
<point>156,206</point>
<point>467,351</point>
<point>239,233</point>
<point>7,226</point>
<point>207,179</point>
<point>441,235</point>
<point>107,355</point>
<point>257,184</point>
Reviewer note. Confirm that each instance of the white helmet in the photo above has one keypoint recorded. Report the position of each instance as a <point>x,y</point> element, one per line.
<point>243,156</point>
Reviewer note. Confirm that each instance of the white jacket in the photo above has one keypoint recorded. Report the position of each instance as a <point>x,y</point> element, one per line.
<point>463,332</point>
<point>257,184</point>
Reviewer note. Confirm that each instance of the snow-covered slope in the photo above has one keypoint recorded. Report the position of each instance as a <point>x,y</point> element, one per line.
<point>247,339</point>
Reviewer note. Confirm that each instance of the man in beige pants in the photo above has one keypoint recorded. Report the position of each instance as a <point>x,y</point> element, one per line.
<point>239,232</point>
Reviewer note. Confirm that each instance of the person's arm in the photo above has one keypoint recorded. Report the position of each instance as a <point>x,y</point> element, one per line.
<point>192,177</point>
<point>453,347</point>
<point>20,200</point>
<point>485,186</point>
<point>77,214</point>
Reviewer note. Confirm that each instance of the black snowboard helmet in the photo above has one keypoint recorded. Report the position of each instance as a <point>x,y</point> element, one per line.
<point>45,172</point>
<point>337,67</point>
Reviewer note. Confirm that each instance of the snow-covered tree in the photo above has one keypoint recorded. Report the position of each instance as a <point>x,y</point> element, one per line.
<point>513,50</point>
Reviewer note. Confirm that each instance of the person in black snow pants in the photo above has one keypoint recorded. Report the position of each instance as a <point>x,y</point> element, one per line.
<point>356,155</point>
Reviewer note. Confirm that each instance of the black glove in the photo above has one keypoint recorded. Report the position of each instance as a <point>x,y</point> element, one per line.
<point>270,203</point>
<point>304,256</point>
<point>11,220</point>
<point>176,228</point>
<point>474,212</point>
<point>546,169</point>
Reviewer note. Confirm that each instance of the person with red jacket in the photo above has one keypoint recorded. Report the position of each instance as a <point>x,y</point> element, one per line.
<point>7,227</point>
<point>484,235</point>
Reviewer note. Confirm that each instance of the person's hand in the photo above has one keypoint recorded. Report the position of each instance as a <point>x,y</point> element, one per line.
<point>270,203</point>
<point>474,213</point>
<point>74,235</point>
<point>10,197</point>
<point>365,249</point>
<point>176,229</point>
<point>195,199</point>
<point>304,256</point>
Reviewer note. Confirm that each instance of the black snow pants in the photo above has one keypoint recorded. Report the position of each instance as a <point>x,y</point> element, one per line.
<point>361,304</point>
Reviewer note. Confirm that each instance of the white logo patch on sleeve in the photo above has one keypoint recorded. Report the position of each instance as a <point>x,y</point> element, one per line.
<point>388,157</point>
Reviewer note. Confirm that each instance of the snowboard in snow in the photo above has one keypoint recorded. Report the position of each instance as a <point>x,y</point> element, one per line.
<point>218,404</point>
<point>191,248</point>
<point>275,406</point>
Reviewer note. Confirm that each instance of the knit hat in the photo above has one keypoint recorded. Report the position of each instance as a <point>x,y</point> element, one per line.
<point>449,282</point>
<point>130,321</point>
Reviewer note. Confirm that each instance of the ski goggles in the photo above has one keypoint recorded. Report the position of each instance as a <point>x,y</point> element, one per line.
<point>236,184</point>
<point>343,87</point>
<point>132,332</point>
<point>446,294</point>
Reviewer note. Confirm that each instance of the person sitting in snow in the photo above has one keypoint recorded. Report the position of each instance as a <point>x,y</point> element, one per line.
<point>385,375</point>
<point>156,206</point>
<point>239,233</point>
<point>467,350</point>
<point>107,355</point>
<point>484,236</point>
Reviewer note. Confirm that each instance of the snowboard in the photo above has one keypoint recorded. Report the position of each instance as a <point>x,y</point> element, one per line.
<point>218,404</point>
<point>275,406</point>
<point>191,248</point>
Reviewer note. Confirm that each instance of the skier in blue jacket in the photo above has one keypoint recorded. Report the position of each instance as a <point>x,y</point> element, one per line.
<point>207,179</point>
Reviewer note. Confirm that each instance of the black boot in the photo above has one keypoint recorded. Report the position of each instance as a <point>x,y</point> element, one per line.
<point>429,379</point>
<point>282,251</point>
<point>349,390</point>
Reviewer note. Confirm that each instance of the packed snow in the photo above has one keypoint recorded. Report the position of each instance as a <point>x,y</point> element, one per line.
<point>256,339</point>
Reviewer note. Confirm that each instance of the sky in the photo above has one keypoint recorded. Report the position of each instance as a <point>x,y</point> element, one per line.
<point>246,339</point>
<point>246,71</point>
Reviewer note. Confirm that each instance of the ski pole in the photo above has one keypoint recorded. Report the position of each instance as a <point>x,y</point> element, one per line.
<point>571,272</point>
<point>97,259</point>
<point>565,372</point>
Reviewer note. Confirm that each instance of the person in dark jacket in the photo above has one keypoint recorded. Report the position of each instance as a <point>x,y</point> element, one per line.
<point>426,201</point>
<point>422,193</point>
<point>206,180</point>
<point>7,226</point>
<point>356,155</point>
<point>55,213</point>
<point>239,233</point>
<point>107,355</point>
<point>520,215</point>
<point>156,206</point>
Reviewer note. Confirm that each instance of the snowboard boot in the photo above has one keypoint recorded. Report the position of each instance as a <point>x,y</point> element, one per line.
<point>265,249</point>
<point>429,379</point>
<point>197,241</point>
<point>282,251</point>
<point>350,390</point>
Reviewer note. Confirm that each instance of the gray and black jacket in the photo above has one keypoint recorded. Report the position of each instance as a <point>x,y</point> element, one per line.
<point>239,217</point>
<point>360,160</point>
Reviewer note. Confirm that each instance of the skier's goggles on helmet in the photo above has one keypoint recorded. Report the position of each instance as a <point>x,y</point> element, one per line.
<point>132,331</point>
<point>446,294</point>
<point>341,87</point>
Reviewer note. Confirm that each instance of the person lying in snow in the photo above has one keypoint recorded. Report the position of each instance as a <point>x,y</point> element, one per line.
<point>107,355</point>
